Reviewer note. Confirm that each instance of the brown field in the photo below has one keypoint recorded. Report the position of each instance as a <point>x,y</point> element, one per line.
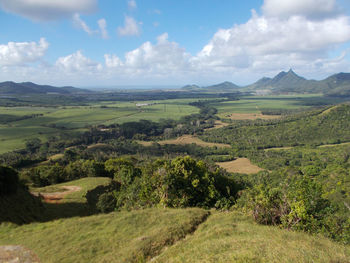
<point>251,116</point>
<point>97,145</point>
<point>240,165</point>
<point>217,125</point>
<point>189,139</point>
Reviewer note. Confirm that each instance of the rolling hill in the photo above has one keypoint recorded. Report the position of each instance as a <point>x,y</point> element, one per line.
<point>13,88</point>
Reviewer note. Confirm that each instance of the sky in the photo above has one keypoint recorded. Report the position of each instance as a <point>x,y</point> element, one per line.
<point>97,43</point>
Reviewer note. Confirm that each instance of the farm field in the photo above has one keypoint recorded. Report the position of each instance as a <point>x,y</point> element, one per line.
<point>240,165</point>
<point>253,105</point>
<point>49,121</point>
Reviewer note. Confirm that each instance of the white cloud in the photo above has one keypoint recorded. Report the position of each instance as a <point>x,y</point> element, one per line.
<point>131,27</point>
<point>112,61</point>
<point>46,10</point>
<point>102,24</point>
<point>164,57</point>
<point>21,53</point>
<point>77,62</point>
<point>132,4</point>
<point>79,23</point>
<point>270,42</point>
<point>308,8</point>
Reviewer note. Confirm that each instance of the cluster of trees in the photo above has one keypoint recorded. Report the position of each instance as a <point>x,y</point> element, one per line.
<point>181,182</point>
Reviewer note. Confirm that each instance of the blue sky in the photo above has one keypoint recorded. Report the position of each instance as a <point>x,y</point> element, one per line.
<point>170,42</point>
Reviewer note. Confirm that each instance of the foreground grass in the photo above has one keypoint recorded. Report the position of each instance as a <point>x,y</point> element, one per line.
<point>116,237</point>
<point>234,237</point>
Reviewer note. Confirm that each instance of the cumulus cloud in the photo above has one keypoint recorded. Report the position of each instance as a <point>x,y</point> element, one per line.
<point>271,41</point>
<point>102,24</point>
<point>46,10</point>
<point>164,57</point>
<point>21,53</point>
<point>77,62</point>
<point>308,8</point>
<point>131,27</point>
<point>132,4</point>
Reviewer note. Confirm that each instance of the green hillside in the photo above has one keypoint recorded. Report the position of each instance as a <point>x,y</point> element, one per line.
<point>140,236</point>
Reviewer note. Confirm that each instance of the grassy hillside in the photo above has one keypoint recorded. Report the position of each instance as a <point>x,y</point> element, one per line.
<point>115,237</point>
<point>139,236</point>
<point>233,237</point>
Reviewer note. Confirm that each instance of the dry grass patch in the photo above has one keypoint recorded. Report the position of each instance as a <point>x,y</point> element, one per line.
<point>251,116</point>
<point>334,145</point>
<point>145,143</point>
<point>189,139</point>
<point>217,125</point>
<point>240,165</point>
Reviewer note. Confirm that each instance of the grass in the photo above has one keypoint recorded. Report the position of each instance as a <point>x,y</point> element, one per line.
<point>116,237</point>
<point>189,139</point>
<point>234,237</point>
<point>86,184</point>
<point>240,165</point>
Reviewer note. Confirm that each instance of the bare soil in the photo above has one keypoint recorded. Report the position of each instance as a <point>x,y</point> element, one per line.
<point>56,197</point>
<point>240,165</point>
<point>17,254</point>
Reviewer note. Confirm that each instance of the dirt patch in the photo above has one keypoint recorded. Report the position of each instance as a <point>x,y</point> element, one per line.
<point>240,165</point>
<point>17,254</point>
<point>217,125</point>
<point>56,197</point>
<point>189,139</point>
<point>251,116</point>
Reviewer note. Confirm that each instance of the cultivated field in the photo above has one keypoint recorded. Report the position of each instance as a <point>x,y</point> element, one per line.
<point>50,121</point>
<point>240,165</point>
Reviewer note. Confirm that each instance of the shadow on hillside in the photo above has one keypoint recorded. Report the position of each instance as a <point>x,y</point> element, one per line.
<point>65,210</point>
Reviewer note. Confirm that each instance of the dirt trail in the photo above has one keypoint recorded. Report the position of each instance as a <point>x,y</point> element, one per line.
<point>56,197</point>
<point>17,254</point>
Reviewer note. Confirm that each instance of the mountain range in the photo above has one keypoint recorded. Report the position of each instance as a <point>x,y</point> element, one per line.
<point>24,88</point>
<point>287,82</point>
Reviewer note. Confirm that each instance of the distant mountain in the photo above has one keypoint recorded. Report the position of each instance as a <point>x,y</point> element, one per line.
<point>225,86</point>
<point>337,85</point>
<point>191,87</point>
<point>221,87</point>
<point>285,82</point>
<point>13,88</point>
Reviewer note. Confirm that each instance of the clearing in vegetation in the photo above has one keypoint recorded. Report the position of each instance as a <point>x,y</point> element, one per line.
<point>240,165</point>
<point>234,237</point>
<point>134,236</point>
<point>251,116</point>
<point>189,139</point>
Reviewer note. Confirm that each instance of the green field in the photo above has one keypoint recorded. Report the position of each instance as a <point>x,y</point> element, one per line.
<point>13,135</point>
<point>255,104</point>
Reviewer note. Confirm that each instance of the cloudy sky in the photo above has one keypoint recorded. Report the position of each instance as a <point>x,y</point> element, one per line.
<point>171,42</point>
